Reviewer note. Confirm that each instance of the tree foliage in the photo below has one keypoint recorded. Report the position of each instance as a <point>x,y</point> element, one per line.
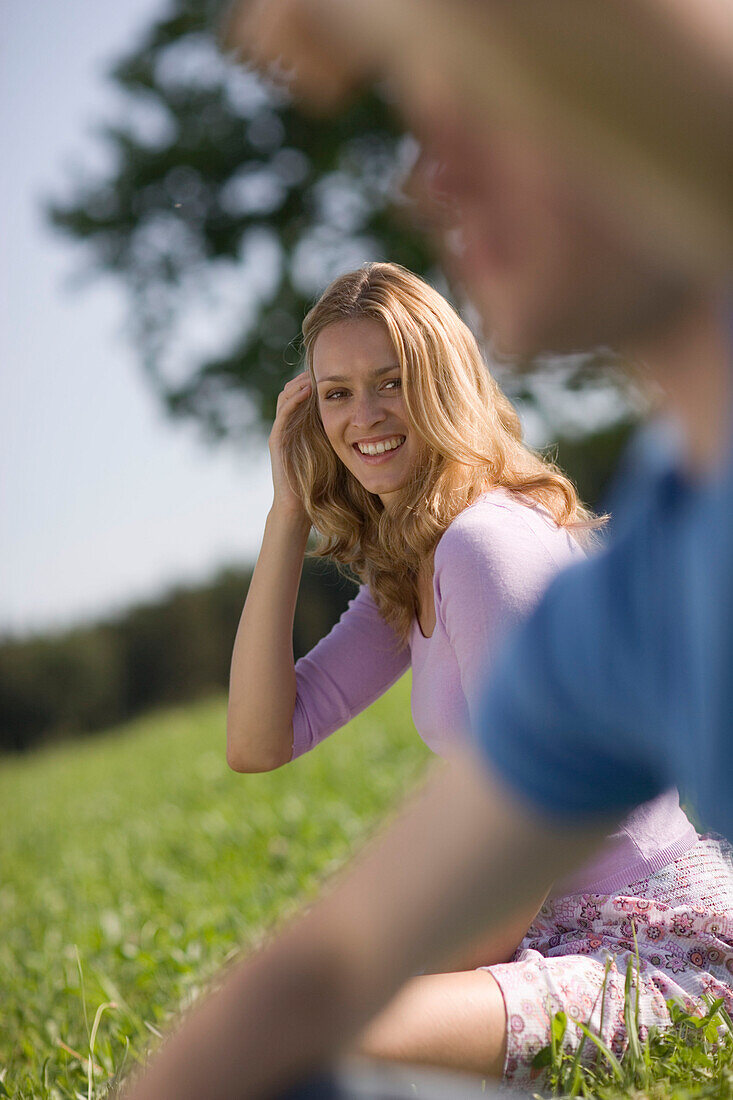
<point>171,650</point>
<point>225,211</point>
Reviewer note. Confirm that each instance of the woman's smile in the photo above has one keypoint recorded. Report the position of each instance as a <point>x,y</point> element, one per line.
<point>380,450</point>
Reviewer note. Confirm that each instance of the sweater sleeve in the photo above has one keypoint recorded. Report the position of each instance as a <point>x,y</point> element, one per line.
<point>574,717</point>
<point>491,567</point>
<point>346,671</point>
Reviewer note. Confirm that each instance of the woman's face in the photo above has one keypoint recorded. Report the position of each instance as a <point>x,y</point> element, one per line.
<point>359,387</point>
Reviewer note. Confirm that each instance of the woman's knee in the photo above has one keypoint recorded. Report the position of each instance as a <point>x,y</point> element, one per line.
<point>453,1020</point>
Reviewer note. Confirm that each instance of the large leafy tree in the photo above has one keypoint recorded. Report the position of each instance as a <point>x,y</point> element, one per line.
<point>225,211</point>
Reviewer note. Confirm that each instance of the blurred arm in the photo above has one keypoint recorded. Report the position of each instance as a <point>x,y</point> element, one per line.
<point>463,856</point>
<point>497,945</point>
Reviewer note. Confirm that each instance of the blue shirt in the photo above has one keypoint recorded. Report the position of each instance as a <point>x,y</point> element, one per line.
<point>621,683</point>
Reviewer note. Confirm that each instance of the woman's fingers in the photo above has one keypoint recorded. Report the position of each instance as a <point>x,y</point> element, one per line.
<point>297,381</point>
<point>294,391</point>
<point>295,384</point>
<point>292,394</point>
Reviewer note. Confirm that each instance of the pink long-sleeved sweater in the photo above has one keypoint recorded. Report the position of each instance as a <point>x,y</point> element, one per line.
<point>490,568</point>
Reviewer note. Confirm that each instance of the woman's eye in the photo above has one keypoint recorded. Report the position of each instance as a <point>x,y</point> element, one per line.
<point>396,383</point>
<point>334,393</point>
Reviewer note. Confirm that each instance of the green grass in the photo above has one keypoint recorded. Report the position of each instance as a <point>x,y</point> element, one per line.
<point>691,1059</point>
<point>134,863</point>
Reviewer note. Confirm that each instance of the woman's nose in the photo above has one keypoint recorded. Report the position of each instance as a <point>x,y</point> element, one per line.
<point>366,411</point>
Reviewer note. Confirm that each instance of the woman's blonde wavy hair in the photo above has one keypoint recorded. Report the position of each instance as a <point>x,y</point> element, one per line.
<point>470,431</point>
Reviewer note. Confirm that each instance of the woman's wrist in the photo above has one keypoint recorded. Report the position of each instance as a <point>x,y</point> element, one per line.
<point>294,520</point>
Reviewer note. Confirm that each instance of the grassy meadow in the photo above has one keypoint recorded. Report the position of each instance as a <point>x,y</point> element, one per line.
<point>135,862</point>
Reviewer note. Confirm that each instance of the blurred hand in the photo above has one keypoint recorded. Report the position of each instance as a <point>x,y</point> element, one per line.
<point>300,42</point>
<point>286,501</point>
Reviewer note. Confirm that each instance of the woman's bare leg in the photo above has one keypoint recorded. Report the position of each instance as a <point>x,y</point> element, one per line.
<point>453,1020</point>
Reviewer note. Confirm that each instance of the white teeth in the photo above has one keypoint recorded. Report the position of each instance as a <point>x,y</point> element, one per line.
<point>382,446</point>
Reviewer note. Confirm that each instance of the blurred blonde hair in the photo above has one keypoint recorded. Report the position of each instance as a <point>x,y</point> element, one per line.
<point>470,432</point>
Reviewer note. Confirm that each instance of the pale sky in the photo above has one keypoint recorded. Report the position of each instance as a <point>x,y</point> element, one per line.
<point>102,500</point>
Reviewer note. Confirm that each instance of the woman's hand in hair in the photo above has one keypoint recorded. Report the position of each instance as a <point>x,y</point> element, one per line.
<point>286,500</point>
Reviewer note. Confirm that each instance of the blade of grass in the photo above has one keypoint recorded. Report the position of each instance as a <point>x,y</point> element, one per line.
<point>605,1051</point>
<point>92,1040</point>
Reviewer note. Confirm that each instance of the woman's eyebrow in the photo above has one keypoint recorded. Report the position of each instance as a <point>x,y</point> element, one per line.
<point>374,374</point>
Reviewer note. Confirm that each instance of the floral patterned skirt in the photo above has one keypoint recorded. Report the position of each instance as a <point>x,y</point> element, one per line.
<point>683,920</point>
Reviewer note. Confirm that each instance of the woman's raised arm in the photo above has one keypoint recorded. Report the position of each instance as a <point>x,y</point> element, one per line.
<point>262,688</point>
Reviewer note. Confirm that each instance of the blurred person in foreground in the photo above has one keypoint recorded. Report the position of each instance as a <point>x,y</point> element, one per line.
<point>585,220</point>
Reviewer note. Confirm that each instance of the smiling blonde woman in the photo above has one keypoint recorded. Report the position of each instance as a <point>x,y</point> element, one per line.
<point>399,448</point>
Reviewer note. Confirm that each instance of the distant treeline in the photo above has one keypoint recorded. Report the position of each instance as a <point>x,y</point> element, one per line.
<point>168,651</point>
